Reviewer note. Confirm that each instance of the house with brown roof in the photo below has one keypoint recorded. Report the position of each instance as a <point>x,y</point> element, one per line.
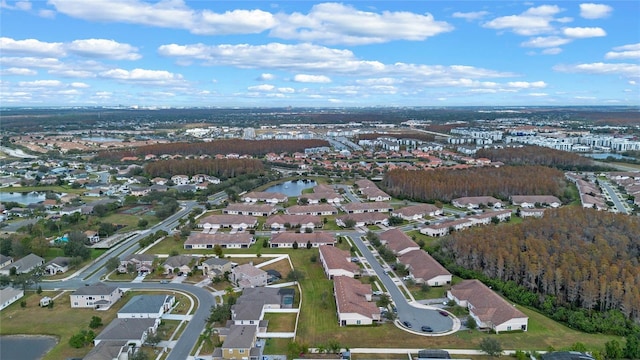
<point>398,242</point>
<point>424,269</point>
<point>250,209</point>
<point>370,191</point>
<point>178,264</point>
<point>199,240</point>
<point>354,302</point>
<point>337,262</point>
<point>486,217</point>
<point>287,240</point>
<point>416,212</point>
<point>248,276</point>
<point>475,202</point>
<point>92,236</point>
<point>143,263</point>
<point>317,210</point>
<point>216,222</point>
<point>216,267</point>
<point>378,206</point>
<point>363,219</point>
<point>262,196</point>
<point>488,309</point>
<point>317,198</point>
<point>443,228</point>
<point>287,221</point>
<point>532,201</point>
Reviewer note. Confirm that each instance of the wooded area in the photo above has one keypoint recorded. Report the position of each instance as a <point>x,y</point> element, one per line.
<point>235,146</point>
<point>537,155</point>
<point>222,168</point>
<point>445,185</point>
<point>580,257</point>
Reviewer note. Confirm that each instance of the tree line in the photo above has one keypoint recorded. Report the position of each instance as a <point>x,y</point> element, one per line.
<point>445,185</point>
<point>226,146</point>
<point>222,168</point>
<point>571,259</point>
<point>538,155</point>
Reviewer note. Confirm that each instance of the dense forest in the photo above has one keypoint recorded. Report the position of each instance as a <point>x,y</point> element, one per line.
<point>222,168</point>
<point>235,146</point>
<point>537,155</point>
<point>579,257</point>
<point>445,185</point>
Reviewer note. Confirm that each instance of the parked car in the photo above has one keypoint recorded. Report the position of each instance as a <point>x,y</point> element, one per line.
<point>426,328</point>
<point>443,313</point>
<point>407,324</point>
<point>164,282</point>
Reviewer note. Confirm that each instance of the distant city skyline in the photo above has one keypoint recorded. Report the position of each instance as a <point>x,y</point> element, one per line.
<point>175,53</point>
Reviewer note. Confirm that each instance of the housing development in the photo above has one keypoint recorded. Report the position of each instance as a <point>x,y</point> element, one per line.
<point>420,233</point>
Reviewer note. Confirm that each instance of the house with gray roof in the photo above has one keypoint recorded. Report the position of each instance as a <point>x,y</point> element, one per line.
<point>214,267</point>
<point>23,265</point>
<point>179,264</point>
<point>97,296</point>
<point>247,276</point>
<point>5,260</point>
<point>58,265</point>
<point>133,331</point>
<point>239,343</point>
<point>9,295</point>
<point>146,306</point>
<point>110,350</point>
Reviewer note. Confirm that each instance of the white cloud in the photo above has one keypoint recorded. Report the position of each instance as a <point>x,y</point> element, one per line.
<point>627,70</point>
<point>534,21</point>
<point>266,77</point>
<point>103,48</point>
<point>79,85</point>
<point>584,32</point>
<point>595,11</point>
<point>31,47</point>
<point>545,42</point>
<point>18,71</point>
<point>335,23</point>
<point>40,83</point>
<point>551,51</point>
<point>538,94</point>
<point>305,78</point>
<point>473,15</point>
<point>156,77</point>
<point>261,87</point>
<point>527,85</point>
<point>631,51</point>
<point>233,22</point>
<point>286,90</point>
<point>47,14</point>
<point>632,82</point>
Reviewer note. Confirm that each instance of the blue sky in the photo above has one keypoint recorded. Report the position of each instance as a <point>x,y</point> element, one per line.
<point>304,53</point>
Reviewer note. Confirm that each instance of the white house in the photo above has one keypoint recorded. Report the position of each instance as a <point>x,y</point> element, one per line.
<point>96,296</point>
<point>9,295</point>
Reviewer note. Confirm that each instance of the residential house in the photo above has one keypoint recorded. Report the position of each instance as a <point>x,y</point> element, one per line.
<point>475,202</point>
<point>5,260</point>
<point>139,190</point>
<point>316,210</point>
<point>485,218</point>
<point>239,344</point>
<point>424,269</point>
<point>286,221</point>
<point>251,306</point>
<point>336,262</point>
<point>398,242</point>
<point>92,236</point>
<point>533,201</point>
<point>24,265</point>
<point>443,228</point>
<point>488,309</point>
<point>216,267</point>
<point>535,213</point>
<point>363,219</point>
<point>238,222</point>
<point>142,263</point>
<point>288,239</point>
<point>250,209</point>
<point>197,240</point>
<point>268,197</point>
<point>111,350</point>
<point>58,265</point>
<point>322,197</point>
<point>97,296</point>
<point>9,295</point>
<point>178,264</point>
<point>355,207</point>
<point>354,302</point>
<point>180,179</point>
<point>416,212</point>
<point>247,276</point>
<point>133,331</point>
<point>146,306</point>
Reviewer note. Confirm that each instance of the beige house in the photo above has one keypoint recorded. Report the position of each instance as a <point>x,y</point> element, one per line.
<point>247,276</point>
<point>354,302</point>
<point>336,262</point>
<point>97,296</point>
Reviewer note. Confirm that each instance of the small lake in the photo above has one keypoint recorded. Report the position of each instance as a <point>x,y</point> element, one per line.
<point>606,155</point>
<point>23,347</point>
<point>22,198</point>
<point>292,188</point>
<point>101,139</point>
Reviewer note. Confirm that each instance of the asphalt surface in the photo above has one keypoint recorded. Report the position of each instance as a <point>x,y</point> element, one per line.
<point>613,195</point>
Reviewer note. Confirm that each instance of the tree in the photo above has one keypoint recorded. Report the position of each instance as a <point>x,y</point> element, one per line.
<point>613,350</point>
<point>395,220</point>
<point>309,244</point>
<point>100,210</point>
<point>471,323</point>
<point>632,347</point>
<point>217,250</point>
<point>95,322</point>
<point>295,275</point>
<point>142,223</point>
<point>140,355</point>
<point>491,346</point>
<point>153,339</point>
<point>349,223</point>
<point>112,263</point>
<point>295,245</point>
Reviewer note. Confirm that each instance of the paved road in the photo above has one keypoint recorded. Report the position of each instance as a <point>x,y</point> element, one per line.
<point>619,204</point>
<point>417,316</point>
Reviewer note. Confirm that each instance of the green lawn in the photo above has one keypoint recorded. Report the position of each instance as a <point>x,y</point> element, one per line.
<point>285,322</point>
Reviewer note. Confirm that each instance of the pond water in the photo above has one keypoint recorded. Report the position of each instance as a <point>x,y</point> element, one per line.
<point>606,155</point>
<point>292,188</point>
<point>101,139</point>
<point>23,198</point>
<point>24,347</point>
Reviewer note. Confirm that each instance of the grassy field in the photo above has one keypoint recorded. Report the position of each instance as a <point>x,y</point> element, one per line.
<point>280,322</point>
<point>52,188</point>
